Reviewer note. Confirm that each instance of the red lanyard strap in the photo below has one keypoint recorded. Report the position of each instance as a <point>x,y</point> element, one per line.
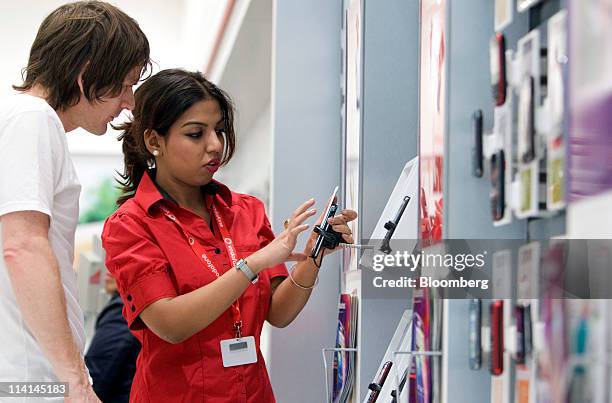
<point>200,252</point>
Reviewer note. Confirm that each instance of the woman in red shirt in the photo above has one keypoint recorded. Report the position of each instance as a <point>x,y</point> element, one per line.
<point>184,250</point>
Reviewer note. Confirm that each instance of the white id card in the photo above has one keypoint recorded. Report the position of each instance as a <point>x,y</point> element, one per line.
<point>238,351</point>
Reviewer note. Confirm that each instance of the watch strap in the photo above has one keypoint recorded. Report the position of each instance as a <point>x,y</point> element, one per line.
<point>242,266</point>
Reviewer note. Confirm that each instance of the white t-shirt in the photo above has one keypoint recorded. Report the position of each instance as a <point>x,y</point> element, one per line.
<point>36,173</point>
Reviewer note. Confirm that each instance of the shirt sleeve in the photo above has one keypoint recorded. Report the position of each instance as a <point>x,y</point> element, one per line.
<point>27,147</point>
<point>138,264</point>
<point>265,236</point>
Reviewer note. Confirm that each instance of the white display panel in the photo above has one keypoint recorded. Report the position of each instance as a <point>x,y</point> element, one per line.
<point>352,110</point>
<point>407,228</point>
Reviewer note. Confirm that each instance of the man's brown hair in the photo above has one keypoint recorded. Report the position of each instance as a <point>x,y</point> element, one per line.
<point>91,38</point>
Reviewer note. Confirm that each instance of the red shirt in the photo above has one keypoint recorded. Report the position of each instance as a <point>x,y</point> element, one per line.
<point>150,259</point>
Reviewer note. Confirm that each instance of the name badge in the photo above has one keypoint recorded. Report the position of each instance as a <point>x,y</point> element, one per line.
<point>238,351</point>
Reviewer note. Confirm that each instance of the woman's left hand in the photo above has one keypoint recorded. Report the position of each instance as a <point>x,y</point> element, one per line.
<point>339,224</point>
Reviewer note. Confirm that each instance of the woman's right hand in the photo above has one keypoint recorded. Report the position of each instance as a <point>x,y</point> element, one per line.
<point>281,249</point>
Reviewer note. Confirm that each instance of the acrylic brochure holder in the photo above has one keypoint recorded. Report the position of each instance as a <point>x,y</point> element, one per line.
<point>399,354</point>
<point>329,379</point>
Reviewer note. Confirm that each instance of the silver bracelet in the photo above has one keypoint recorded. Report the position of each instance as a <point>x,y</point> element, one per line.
<point>301,286</point>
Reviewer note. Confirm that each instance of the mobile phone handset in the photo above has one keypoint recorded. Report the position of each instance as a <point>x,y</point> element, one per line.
<point>327,238</point>
<point>497,337</point>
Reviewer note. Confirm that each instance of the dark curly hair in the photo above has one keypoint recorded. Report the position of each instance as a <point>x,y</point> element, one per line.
<point>159,102</point>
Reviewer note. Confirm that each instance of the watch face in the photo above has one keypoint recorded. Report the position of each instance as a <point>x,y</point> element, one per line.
<point>243,267</point>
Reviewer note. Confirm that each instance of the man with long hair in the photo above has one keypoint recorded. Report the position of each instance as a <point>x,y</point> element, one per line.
<point>83,63</point>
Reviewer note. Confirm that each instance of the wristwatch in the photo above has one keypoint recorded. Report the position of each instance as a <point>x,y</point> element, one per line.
<point>242,266</point>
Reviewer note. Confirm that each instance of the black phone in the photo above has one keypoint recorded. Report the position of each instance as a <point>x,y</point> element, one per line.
<point>327,238</point>
<point>477,144</point>
<point>519,321</point>
<point>526,124</point>
<point>497,54</point>
<point>498,185</point>
<point>528,331</point>
<point>390,226</point>
<point>475,351</point>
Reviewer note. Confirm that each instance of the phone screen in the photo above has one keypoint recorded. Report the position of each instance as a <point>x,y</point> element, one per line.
<point>330,210</point>
<point>474,334</point>
<point>519,321</point>
<point>477,144</point>
<point>497,194</point>
<point>329,204</point>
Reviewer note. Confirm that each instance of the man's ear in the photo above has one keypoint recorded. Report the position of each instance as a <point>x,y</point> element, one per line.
<point>152,140</point>
<point>80,77</point>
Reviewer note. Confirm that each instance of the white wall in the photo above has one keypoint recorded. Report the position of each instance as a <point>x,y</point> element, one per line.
<point>246,76</point>
<point>306,101</point>
<point>249,169</point>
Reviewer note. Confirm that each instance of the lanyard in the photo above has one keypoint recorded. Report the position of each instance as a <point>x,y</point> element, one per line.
<point>200,252</point>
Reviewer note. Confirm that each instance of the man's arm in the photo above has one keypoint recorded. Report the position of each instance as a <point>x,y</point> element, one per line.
<point>37,284</point>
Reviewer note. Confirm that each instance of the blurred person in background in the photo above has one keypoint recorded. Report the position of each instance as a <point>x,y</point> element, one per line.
<point>111,357</point>
<point>197,265</point>
<point>83,63</point>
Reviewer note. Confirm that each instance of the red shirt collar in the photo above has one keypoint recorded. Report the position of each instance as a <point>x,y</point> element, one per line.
<point>148,194</point>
